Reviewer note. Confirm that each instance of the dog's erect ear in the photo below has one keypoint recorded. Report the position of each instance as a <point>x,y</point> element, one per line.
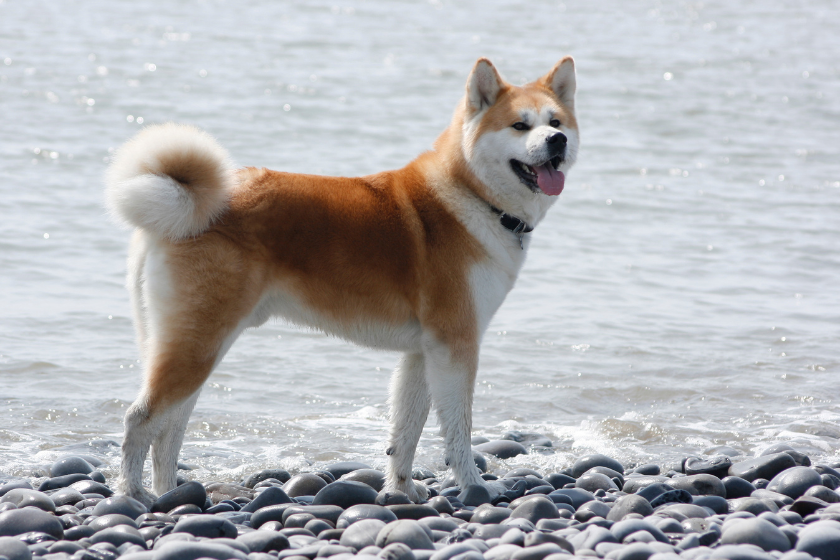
<point>561,81</point>
<point>483,85</point>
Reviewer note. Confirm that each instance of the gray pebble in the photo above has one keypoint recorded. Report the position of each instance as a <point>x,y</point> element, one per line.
<point>184,550</point>
<point>759,532</point>
<point>576,495</point>
<point>737,487</point>
<point>631,503</point>
<point>66,496</point>
<point>269,497</point>
<point>92,487</point>
<point>821,540</point>
<point>624,529</point>
<point>362,533</point>
<point>795,481</point>
<point>391,498</point>
<point>23,497</point>
<point>406,531</point>
<point>14,549</point>
<point>63,481</point>
<point>19,521</point>
<point>536,508</point>
<point>279,474</point>
<point>337,470</point>
<point>766,466</point>
<point>717,465</point>
<point>593,481</point>
<point>304,484</point>
<point>586,462</point>
<point>589,510</point>
<point>358,512</point>
<point>189,493</point>
<point>345,493</point>
<point>120,504</point>
<point>209,526</point>
<point>699,485</point>
<point>822,493</point>
<point>119,535</point>
<point>538,552</point>
<point>70,465</point>
<point>502,449</point>
<point>372,477</point>
<point>112,520</point>
<point>632,484</point>
<point>490,514</point>
<point>636,551</point>
<point>740,552</point>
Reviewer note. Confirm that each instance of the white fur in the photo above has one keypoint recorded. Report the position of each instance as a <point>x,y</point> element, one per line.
<point>144,191</point>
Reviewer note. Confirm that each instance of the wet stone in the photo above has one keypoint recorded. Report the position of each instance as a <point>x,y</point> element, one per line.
<point>576,495</point>
<point>699,485</point>
<point>502,449</point>
<point>269,497</point>
<point>822,493</point>
<point>264,541</point>
<point>490,514</point>
<point>535,509</point>
<point>119,535</point>
<point>14,549</point>
<point>406,531</point>
<point>717,465</point>
<point>66,496</point>
<point>70,465</point>
<point>715,503</point>
<point>559,480</point>
<point>358,512</point>
<point>765,466</point>
<point>281,475</point>
<point>304,484</point>
<point>794,482</point>
<point>62,481</point>
<point>759,532</point>
<point>23,497</point>
<point>475,495</point>
<point>111,520</point>
<point>92,487</point>
<point>372,477</point>
<point>737,487</point>
<point>528,438</point>
<point>362,533</point>
<point>186,550</point>
<point>593,481</point>
<point>413,511</point>
<point>190,493</point>
<point>19,521</point>
<point>586,462</point>
<point>442,505</point>
<point>632,484</point>
<point>800,458</point>
<point>122,505</point>
<point>631,503</point>
<point>345,493</point>
<point>210,526</point>
<point>396,551</point>
<point>337,470</point>
<point>592,509</point>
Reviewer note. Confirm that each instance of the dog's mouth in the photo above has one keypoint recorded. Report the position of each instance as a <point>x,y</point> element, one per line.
<point>544,177</point>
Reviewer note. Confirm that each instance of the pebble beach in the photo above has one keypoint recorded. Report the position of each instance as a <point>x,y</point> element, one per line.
<point>777,505</point>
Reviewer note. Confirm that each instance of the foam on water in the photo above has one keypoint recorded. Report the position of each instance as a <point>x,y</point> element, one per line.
<point>680,296</point>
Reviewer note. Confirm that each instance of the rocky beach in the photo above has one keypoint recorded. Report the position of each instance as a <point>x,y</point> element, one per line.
<point>778,504</point>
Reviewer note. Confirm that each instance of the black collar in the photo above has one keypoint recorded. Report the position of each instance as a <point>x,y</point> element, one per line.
<point>512,223</point>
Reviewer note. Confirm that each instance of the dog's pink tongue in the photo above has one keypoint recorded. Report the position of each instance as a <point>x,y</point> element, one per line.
<point>549,179</point>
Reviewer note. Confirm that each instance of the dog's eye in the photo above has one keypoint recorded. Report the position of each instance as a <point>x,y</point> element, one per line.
<point>521,126</point>
<point>554,123</point>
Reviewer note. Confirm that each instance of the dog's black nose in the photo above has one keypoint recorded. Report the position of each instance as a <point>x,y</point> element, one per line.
<point>556,138</point>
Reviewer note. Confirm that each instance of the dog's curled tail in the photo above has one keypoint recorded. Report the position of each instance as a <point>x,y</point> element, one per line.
<point>170,180</point>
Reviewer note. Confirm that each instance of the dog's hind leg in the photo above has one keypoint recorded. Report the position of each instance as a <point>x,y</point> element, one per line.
<point>167,445</point>
<point>409,404</point>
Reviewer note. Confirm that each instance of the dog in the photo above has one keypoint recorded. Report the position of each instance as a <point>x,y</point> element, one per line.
<point>417,260</point>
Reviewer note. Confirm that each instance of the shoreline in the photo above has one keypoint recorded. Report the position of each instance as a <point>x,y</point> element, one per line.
<point>776,505</point>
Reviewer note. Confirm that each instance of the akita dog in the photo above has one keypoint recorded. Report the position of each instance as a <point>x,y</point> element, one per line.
<point>417,260</point>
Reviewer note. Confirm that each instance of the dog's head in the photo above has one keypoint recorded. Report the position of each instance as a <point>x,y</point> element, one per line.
<point>520,141</point>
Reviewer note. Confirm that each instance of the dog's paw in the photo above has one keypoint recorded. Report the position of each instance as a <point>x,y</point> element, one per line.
<point>141,495</point>
<point>420,494</point>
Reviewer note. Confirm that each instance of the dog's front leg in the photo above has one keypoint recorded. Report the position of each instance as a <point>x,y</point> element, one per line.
<point>450,372</point>
<point>409,402</point>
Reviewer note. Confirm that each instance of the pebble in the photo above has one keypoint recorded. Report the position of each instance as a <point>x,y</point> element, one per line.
<point>586,462</point>
<point>794,482</point>
<point>502,448</point>
<point>71,465</point>
<point>305,484</point>
<point>594,508</point>
<point>764,466</point>
<point>406,531</point>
